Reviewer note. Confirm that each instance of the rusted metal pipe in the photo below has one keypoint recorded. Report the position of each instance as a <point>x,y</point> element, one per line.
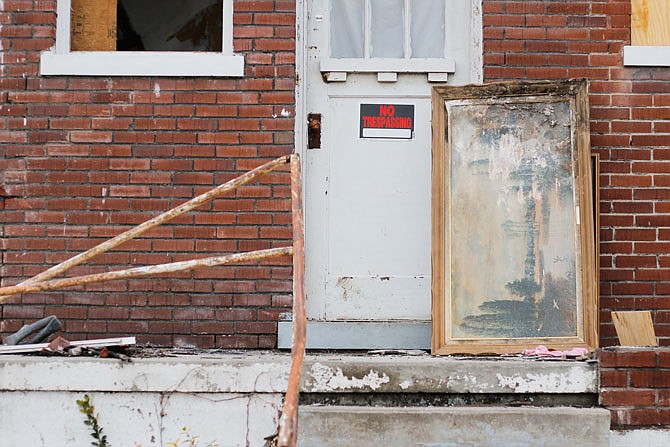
<point>149,270</point>
<point>288,424</point>
<point>154,222</point>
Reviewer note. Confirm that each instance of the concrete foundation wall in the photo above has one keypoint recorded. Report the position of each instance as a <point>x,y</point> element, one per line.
<point>234,399</point>
<point>47,419</point>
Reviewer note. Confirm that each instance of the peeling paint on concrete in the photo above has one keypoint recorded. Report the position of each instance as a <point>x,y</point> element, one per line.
<point>569,381</point>
<point>330,379</point>
<point>268,373</point>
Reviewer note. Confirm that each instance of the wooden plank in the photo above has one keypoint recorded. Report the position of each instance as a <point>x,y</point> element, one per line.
<point>288,423</point>
<point>590,277</point>
<point>93,25</point>
<point>595,192</point>
<point>150,270</point>
<point>438,213</point>
<point>634,328</point>
<point>650,22</point>
<point>98,343</point>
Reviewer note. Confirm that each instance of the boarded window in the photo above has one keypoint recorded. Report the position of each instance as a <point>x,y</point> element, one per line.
<point>93,25</point>
<point>147,25</point>
<point>650,22</point>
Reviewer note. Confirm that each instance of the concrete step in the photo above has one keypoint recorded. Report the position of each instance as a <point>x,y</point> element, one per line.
<point>346,426</point>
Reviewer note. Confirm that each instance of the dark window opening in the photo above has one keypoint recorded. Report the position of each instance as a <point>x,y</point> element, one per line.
<point>147,25</point>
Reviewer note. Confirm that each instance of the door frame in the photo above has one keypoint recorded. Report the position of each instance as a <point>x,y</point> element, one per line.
<point>343,334</point>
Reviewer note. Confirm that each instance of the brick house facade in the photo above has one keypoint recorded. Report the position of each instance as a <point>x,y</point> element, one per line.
<point>84,158</point>
<point>630,129</point>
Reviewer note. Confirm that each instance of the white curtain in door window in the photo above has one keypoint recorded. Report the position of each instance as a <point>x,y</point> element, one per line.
<point>347,29</point>
<point>427,29</point>
<point>387,31</point>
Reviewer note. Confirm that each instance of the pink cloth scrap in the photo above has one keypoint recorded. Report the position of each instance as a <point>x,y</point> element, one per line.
<point>543,351</point>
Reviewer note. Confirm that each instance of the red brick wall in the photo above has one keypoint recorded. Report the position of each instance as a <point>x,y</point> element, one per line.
<point>85,158</point>
<point>630,129</point>
<point>635,386</point>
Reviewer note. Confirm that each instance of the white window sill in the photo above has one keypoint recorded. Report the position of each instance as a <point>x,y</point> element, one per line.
<point>647,56</point>
<point>141,63</point>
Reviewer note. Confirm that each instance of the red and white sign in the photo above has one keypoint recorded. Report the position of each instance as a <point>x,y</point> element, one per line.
<point>394,121</point>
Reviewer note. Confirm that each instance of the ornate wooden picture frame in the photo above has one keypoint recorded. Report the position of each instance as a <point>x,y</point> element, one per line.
<point>513,250</point>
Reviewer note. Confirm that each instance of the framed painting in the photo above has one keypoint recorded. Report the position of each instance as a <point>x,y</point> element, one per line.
<point>513,249</point>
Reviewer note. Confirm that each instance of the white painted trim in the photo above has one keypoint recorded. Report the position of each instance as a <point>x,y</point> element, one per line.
<point>227,42</point>
<point>61,61</point>
<point>300,126</point>
<point>389,65</point>
<point>477,44</point>
<point>63,27</point>
<point>140,63</point>
<point>384,76</point>
<point>336,76</point>
<point>649,56</point>
<point>438,77</point>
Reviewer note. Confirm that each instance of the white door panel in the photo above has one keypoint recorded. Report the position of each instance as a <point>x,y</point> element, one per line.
<point>367,201</point>
<point>378,218</point>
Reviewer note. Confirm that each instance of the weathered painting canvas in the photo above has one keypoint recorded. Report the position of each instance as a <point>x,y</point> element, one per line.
<point>513,250</point>
<point>513,253</point>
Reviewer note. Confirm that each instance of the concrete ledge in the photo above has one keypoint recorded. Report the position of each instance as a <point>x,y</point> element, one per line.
<point>465,426</point>
<point>426,374</point>
<point>267,372</point>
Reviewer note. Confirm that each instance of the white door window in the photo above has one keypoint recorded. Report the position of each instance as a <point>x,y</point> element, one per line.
<point>398,29</point>
<point>387,36</point>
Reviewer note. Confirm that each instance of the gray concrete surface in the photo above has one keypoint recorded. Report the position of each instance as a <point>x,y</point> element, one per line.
<point>453,427</point>
<point>359,334</point>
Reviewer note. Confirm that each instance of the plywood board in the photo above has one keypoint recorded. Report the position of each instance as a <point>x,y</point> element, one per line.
<point>650,22</point>
<point>634,328</point>
<point>93,25</point>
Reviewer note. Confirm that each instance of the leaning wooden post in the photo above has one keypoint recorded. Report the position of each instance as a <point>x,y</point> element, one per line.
<point>154,222</point>
<point>288,425</point>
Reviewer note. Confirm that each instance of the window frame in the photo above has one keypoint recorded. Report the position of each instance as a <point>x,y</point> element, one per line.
<point>60,60</point>
<point>336,69</point>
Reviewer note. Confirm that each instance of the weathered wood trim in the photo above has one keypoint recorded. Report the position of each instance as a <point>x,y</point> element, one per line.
<point>576,92</point>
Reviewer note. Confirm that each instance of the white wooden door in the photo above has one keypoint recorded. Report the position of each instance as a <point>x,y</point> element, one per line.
<point>367,199</point>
